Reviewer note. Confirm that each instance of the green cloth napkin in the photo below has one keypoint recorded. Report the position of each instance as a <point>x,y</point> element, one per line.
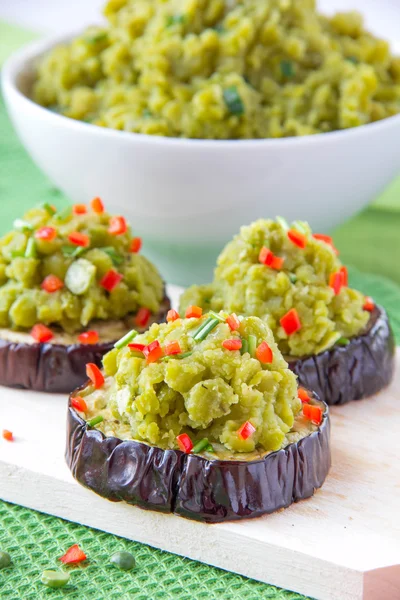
<point>370,241</point>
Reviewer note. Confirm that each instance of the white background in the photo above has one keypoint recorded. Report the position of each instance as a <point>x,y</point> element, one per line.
<point>47,16</point>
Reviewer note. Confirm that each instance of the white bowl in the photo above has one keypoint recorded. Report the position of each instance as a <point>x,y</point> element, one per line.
<point>188,197</point>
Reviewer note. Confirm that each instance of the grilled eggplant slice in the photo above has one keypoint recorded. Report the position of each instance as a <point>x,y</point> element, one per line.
<point>197,486</point>
<point>361,368</point>
<point>59,366</point>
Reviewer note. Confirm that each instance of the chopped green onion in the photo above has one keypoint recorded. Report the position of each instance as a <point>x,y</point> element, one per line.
<point>299,226</point>
<point>217,316</point>
<point>170,356</point>
<point>292,277</point>
<point>30,251</point>
<point>21,225</point>
<point>209,448</point>
<point>113,254</point>
<point>252,345</point>
<point>233,101</point>
<point>287,68</point>
<point>202,445</point>
<point>283,223</point>
<point>48,207</point>
<point>175,20</point>
<point>343,341</point>
<point>245,347</point>
<point>73,251</point>
<point>63,214</point>
<point>207,327</point>
<point>124,341</point>
<point>17,253</point>
<point>95,421</point>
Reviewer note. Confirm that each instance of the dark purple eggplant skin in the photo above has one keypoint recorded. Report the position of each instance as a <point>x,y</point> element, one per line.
<point>53,368</point>
<point>191,486</point>
<point>353,372</point>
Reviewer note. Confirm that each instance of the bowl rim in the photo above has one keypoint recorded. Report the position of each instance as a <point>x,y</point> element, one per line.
<point>30,52</point>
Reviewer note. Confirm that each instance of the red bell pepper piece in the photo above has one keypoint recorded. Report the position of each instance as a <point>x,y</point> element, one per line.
<point>185,443</point>
<point>233,322</point>
<point>136,245</point>
<point>291,322</point>
<point>313,413</point>
<point>8,435</point>
<point>52,283</point>
<point>246,430</point>
<point>79,239</point>
<point>137,347</point>
<point>172,348</point>
<point>336,281</point>
<point>79,209</point>
<point>142,317</point>
<point>193,312</point>
<point>110,280</point>
<point>233,344</point>
<point>79,403</point>
<point>95,375</point>
<point>97,205</point>
<point>41,333</point>
<point>277,262</point>
<point>73,556</point>
<point>88,337</point>
<point>117,226</point>
<point>265,257</point>
<point>172,315</point>
<point>153,352</point>
<point>369,304</point>
<point>264,353</point>
<point>299,239</point>
<point>46,233</point>
<point>303,395</point>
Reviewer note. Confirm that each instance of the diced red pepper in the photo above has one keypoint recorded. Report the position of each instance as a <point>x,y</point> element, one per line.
<point>46,233</point>
<point>193,312</point>
<point>73,556</point>
<point>41,333</point>
<point>110,280</point>
<point>264,353</point>
<point>303,395</point>
<point>172,348</point>
<point>117,226</point>
<point>336,281</point>
<point>172,315</point>
<point>142,317</point>
<point>95,375</point>
<point>345,276</point>
<point>265,257</point>
<point>298,238</point>
<point>79,239</point>
<point>88,337</point>
<point>153,352</point>
<point>137,347</point>
<point>291,322</point>
<point>79,403</point>
<point>97,205</point>
<point>327,239</point>
<point>246,430</point>
<point>79,209</point>
<point>233,322</point>
<point>233,344</point>
<point>277,263</point>
<point>136,245</point>
<point>313,413</point>
<point>185,443</point>
<point>369,304</point>
<point>8,435</point>
<point>52,283</point>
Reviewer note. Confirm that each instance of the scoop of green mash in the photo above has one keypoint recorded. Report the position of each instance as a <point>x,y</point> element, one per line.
<point>244,285</point>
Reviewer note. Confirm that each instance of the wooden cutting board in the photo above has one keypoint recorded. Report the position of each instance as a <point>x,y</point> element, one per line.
<point>342,544</point>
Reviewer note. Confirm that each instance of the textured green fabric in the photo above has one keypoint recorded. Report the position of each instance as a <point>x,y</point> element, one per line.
<point>371,241</point>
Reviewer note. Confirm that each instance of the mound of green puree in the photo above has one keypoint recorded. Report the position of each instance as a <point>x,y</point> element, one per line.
<point>230,388</point>
<point>290,278</point>
<point>71,267</point>
<point>222,69</point>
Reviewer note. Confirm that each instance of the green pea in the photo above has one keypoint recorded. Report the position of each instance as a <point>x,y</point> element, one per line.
<point>123,560</point>
<point>55,579</point>
<point>5,560</point>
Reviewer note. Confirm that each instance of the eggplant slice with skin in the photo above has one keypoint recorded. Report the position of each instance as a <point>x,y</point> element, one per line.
<point>192,485</point>
<point>360,369</point>
<point>58,367</point>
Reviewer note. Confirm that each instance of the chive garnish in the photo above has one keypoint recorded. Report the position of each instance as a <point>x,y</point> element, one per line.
<point>233,101</point>
<point>217,316</point>
<point>201,445</point>
<point>17,253</point>
<point>245,347</point>
<point>124,341</point>
<point>95,421</point>
<point>113,254</point>
<point>292,277</point>
<point>209,448</point>
<point>73,251</point>
<point>283,223</point>
<point>21,225</point>
<point>48,208</point>
<point>252,341</point>
<point>30,251</point>
<point>287,68</point>
<point>207,327</point>
<point>175,20</point>
<point>343,341</point>
<point>180,356</point>
<point>63,214</point>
